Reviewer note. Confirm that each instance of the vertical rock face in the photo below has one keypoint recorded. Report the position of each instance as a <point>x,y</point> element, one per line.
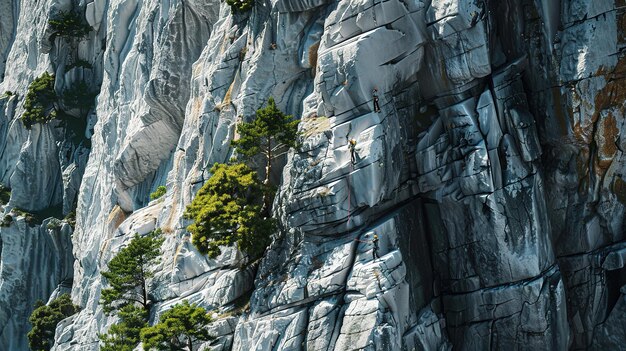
<point>484,209</point>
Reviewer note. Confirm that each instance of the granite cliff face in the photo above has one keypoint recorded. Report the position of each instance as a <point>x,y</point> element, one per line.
<point>494,174</point>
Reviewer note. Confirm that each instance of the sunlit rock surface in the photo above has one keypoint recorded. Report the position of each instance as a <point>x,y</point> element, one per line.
<point>493,174</point>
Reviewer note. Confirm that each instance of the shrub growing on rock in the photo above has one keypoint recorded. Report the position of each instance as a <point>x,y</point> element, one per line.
<point>240,5</point>
<point>54,224</point>
<point>181,328</point>
<point>5,194</point>
<point>6,221</point>
<point>70,218</point>
<point>44,320</point>
<point>160,191</point>
<point>129,272</point>
<point>227,211</point>
<point>29,218</point>
<point>69,24</point>
<point>39,104</point>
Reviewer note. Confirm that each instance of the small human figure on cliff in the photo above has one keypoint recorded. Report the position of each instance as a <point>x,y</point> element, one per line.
<point>375,247</point>
<point>375,98</point>
<point>273,46</point>
<point>474,18</point>
<point>352,147</point>
<point>374,243</point>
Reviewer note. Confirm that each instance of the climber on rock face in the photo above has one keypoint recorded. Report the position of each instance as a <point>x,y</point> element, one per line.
<point>374,243</point>
<point>375,247</point>
<point>352,147</point>
<point>375,98</point>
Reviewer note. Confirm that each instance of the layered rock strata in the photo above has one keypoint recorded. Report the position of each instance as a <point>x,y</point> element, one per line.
<point>493,174</point>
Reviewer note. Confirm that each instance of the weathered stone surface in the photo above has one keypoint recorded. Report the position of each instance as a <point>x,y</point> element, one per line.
<point>492,176</point>
<point>35,261</point>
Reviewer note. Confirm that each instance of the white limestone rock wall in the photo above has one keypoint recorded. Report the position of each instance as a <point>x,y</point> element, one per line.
<point>36,260</point>
<point>36,263</point>
<point>320,294</point>
<point>147,68</point>
<point>492,174</point>
<point>319,288</point>
<point>7,31</point>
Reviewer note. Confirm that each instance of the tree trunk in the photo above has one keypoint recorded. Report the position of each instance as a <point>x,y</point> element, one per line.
<point>268,169</point>
<point>144,290</point>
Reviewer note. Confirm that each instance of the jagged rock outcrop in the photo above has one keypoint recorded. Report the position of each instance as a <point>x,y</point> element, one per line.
<point>493,175</point>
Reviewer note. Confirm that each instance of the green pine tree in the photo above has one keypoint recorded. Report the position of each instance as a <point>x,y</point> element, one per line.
<point>269,134</point>
<point>180,328</point>
<point>69,24</point>
<point>44,320</point>
<point>227,210</point>
<point>40,102</point>
<point>129,272</point>
<point>125,335</point>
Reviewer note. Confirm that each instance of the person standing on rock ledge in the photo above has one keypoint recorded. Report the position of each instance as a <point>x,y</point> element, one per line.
<point>375,98</point>
<point>374,242</point>
<point>352,147</point>
<point>375,247</point>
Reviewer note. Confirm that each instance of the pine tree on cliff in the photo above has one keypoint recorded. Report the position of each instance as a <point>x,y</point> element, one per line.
<point>269,134</point>
<point>129,272</point>
<point>227,211</point>
<point>181,328</point>
<point>44,320</point>
<point>125,335</point>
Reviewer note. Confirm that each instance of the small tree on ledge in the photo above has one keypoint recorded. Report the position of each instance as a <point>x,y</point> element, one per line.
<point>269,134</point>
<point>227,211</point>
<point>129,272</point>
<point>44,320</point>
<point>69,24</point>
<point>180,328</point>
<point>125,335</point>
<point>40,102</point>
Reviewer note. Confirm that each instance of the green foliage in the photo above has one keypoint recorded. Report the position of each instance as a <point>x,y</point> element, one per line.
<point>160,191</point>
<point>39,104</point>
<point>180,328</point>
<point>226,210</point>
<point>240,5</point>
<point>79,96</point>
<point>30,218</point>
<point>125,335</point>
<point>270,131</point>
<point>268,134</point>
<point>69,24</point>
<point>5,194</point>
<point>54,224</point>
<point>44,320</point>
<point>37,217</point>
<point>6,221</point>
<point>129,272</point>
<point>6,94</point>
<point>71,218</point>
